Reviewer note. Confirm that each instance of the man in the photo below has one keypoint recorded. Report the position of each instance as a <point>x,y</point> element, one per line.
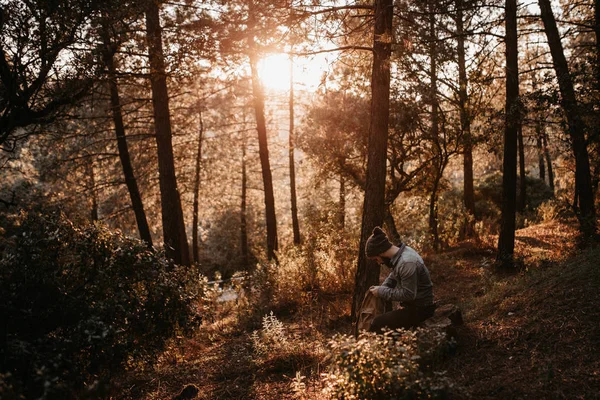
<point>408,282</point>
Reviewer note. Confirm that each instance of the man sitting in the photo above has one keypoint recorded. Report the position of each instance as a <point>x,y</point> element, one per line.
<point>408,283</point>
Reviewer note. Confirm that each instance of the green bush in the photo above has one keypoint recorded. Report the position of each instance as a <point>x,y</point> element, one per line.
<point>489,188</point>
<point>83,304</point>
<point>388,366</point>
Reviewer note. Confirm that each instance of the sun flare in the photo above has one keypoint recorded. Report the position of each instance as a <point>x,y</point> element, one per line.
<point>274,71</point>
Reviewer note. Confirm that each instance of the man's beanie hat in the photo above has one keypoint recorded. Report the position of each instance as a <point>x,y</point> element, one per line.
<point>377,243</point>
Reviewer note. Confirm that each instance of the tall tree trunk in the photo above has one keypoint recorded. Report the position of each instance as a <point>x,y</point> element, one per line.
<point>506,240</point>
<point>174,234</point>
<point>367,272</point>
<point>540,150</point>
<point>117,116</point>
<point>195,239</point>
<point>433,209</point>
<point>263,150</point>
<point>435,129</point>
<point>465,119</point>
<point>342,202</point>
<point>243,216</point>
<point>295,223</point>
<point>522,182</point>
<point>548,161</point>
<point>583,179</point>
<point>89,166</point>
<point>596,139</point>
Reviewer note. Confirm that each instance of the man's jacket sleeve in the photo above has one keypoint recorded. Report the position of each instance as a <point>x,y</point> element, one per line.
<point>406,291</point>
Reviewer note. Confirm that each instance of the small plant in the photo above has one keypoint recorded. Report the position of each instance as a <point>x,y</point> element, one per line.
<point>298,386</point>
<point>271,338</point>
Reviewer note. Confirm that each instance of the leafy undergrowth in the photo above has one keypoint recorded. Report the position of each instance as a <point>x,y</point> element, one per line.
<point>531,334</point>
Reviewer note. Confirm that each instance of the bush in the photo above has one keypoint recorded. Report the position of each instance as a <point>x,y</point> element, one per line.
<point>385,366</point>
<point>83,304</point>
<point>489,188</point>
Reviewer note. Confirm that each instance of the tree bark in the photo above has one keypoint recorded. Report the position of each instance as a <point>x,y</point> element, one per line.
<point>548,161</point>
<point>117,116</point>
<point>367,272</point>
<point>174,234</point>
<point>435,130</point>
<point>263,150</point>
<point>295,223</point>
<point>506,240</point>
<point>195,239</point>
<point>89,166</point>
<point>583,179</point>
<point>540,150</point>
<point>243,216</point>
<point>465,119</point>
<point>342,202</point>
<point>522,182</point>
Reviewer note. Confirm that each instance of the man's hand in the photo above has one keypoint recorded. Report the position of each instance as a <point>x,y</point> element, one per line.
<point>374,290</point>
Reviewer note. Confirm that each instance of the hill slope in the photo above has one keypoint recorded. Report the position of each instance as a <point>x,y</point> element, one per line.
<point>534,334</point>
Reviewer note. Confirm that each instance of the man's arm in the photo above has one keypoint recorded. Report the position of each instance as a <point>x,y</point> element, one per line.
<point>389,281</point>
<point>407,290</point>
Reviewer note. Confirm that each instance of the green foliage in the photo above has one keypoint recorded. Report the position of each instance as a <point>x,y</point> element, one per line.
<point>84,304</point>
<point>489,188</point>
<point>553,210</point>
<point>387,366</point>
<point>323,263</point>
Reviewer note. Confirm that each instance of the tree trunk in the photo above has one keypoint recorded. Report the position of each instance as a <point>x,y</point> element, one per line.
<point>523,183</point>
<point>596,139</point>
<point>433,209</point>
<point>583,179</point>
<point>117,115</point>
<point>263,150</point>
<point>295,223</point>
<point>540,150</point>
<point>548,161</point>
<point>89,166</point>
<point>435,130</point>
<point>195,239</point>
<point>367,272</point>
<point>243,216</point>
<point>342,203</point>
<point>174,234</point>
<point>465,119</point>
<point>506,240</point>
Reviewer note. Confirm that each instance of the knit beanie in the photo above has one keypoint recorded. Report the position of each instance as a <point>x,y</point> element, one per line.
<point>377,243</point>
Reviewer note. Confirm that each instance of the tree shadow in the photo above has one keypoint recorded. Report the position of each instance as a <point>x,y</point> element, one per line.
<point>534,242</point>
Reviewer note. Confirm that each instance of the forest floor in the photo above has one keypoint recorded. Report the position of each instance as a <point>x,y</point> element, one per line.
<point>530,334</point>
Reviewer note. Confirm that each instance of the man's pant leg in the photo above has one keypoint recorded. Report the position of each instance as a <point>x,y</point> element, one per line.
<point>405,318</point>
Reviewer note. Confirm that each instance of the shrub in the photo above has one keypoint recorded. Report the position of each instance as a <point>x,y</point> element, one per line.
<point>384,366</point>
<point>84,304</point>
<point>552,210</point>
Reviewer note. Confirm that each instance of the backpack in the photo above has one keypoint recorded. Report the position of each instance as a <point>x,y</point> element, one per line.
<point>371,307</point>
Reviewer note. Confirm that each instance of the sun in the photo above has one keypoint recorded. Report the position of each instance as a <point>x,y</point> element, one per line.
<point>274,72</point>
